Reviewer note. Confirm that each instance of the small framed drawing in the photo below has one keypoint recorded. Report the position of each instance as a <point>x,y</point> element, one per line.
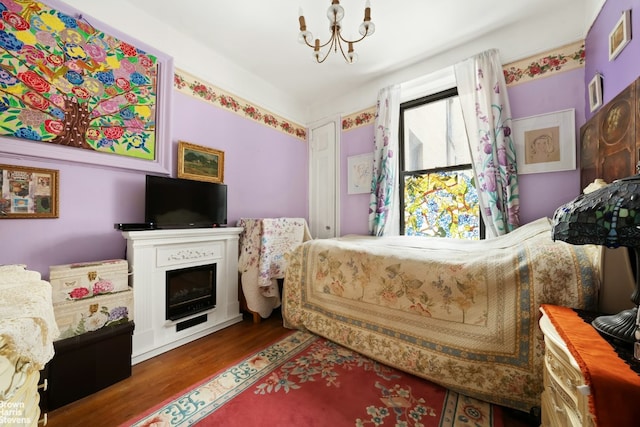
<point>545,143</point>
<point>200,163</point>
<point>595,92</point>
<point>359,172</point>
<point>28,192</point>
<point>620,36</point>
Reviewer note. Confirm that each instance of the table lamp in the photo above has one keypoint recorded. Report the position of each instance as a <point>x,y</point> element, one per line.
<point>608,216</point>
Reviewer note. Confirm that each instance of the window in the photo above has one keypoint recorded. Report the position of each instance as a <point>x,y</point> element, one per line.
<point>437,186</point>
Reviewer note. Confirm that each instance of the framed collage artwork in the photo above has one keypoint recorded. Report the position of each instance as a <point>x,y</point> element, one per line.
<point>28,192</point>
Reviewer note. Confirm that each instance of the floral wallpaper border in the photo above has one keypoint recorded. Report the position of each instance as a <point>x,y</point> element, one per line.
<point>565,58</point>
<point>361,118</point>
<point>192,86</point>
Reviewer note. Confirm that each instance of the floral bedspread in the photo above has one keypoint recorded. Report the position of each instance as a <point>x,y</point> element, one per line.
<point>463,314</point>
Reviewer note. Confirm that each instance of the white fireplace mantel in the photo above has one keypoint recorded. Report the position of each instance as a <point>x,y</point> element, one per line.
<point>151,253</point>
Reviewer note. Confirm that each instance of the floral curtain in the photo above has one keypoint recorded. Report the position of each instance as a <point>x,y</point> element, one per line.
<point>384,186</point>
<point>485,107</point>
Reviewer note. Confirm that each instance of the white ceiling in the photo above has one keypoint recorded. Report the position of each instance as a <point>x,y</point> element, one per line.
<point>261,36</point>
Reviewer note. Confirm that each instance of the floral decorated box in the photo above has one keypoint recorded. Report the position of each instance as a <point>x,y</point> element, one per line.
<point>93,313</point>
<point>71,282</point>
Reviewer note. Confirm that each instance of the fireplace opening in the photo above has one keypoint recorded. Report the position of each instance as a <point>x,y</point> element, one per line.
<point>190,290</point>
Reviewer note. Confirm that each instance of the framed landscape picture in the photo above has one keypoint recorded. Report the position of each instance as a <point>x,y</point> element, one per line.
<point>28,192</point>
<point>200,163</point>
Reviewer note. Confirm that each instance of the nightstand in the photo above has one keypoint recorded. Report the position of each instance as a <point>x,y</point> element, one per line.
<point>587,381</point>
<point>565,400</point>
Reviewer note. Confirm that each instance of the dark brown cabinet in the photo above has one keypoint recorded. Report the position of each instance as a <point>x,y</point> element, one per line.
<point>85,364</point>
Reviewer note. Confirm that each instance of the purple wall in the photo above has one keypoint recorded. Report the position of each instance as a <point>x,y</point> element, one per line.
<point>542,193</point>
<point>625,68</point>
<point>354,208</point>
<point>266,171</point>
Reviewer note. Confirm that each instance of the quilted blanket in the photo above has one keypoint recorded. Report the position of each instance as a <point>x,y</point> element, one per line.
<point>263,245</point>
<point>463,314</point>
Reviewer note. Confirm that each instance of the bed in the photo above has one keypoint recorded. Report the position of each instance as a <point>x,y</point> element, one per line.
<point>463,314</point>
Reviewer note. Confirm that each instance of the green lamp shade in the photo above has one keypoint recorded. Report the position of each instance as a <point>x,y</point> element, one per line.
<point>609,216</point>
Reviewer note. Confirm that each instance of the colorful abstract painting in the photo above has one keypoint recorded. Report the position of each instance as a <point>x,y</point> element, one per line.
<point>64,82</point>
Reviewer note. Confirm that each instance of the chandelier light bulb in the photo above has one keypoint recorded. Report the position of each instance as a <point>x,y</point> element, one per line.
<point>367,28</point>
<point>305,37</point>
<point>335,13</point>
<point>317,56</point>
<point>352,57</point>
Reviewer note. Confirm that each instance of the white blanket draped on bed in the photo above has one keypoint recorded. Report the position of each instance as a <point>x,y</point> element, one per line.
<point>460,313</point>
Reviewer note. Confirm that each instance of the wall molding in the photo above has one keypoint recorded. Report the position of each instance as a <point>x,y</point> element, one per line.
<point>190,85</point>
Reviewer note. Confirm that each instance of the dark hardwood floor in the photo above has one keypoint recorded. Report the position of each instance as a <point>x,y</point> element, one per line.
<point>163,376</point>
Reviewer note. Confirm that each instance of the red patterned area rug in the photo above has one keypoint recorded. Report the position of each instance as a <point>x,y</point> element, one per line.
<point>305,380</point>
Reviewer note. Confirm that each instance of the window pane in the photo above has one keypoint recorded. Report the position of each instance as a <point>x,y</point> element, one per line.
<point>442,204</point>
<point>434,136</point>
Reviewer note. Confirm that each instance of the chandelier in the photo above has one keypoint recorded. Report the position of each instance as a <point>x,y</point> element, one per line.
<point>335,13</point>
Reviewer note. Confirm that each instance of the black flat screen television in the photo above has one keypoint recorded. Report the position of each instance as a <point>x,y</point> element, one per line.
<point>184,203</point>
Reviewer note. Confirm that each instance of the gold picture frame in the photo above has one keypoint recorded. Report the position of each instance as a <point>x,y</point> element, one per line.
<point>620,36</point>
<point>200,163</point>
<point>28,192</point>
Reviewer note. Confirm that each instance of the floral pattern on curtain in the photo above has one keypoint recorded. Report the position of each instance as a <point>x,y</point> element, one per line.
<point>384,185</point>
<point>485,107</point>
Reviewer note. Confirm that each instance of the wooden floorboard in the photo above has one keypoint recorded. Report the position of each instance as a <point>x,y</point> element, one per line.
<point>162,377</point>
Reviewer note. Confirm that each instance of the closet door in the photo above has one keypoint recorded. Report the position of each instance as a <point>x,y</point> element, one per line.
<point>323,181</point>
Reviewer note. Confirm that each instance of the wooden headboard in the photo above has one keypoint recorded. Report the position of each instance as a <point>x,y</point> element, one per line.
<point>610,140</point>
<point>609,149</point>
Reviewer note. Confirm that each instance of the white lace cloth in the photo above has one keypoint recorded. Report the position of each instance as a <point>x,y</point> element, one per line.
<point>27,321</point>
